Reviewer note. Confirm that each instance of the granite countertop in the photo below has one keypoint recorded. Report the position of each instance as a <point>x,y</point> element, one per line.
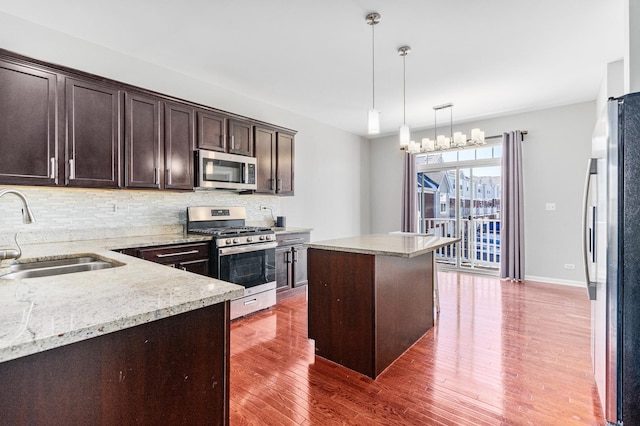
<point>395,244</point>
<point>290,230</point>
<point>37,314</point>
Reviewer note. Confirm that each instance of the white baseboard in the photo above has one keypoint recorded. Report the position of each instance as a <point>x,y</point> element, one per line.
<point>556,281</point>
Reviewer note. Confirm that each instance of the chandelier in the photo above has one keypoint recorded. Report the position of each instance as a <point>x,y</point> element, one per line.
<point>442,142</point>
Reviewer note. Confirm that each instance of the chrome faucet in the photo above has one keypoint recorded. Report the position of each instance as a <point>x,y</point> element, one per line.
<point>27,217</point>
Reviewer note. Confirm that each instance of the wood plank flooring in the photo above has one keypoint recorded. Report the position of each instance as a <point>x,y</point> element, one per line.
<point>501,353</point>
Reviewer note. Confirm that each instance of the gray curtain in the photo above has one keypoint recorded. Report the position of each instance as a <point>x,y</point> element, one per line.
<point>512,226</point>
<point>409,194</point>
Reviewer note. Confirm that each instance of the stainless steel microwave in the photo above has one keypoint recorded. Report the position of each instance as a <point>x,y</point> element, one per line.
<point>219,170</point>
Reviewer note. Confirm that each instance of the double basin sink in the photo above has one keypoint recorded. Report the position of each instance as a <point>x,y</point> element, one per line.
<point>47,268</point>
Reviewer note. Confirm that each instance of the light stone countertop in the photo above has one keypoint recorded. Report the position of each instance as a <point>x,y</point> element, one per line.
<point>402,245</point>
<point>37,314</point>
<point>291,230</point>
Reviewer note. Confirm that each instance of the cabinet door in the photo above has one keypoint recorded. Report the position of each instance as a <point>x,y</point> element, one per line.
<point>142,142</point>
<point>284,164</point>
<point>211,131</point>
<point>28,138</point>
<point>241,137</point>
<point>265,150</point>
<point>178,146</point>
<point>196,266</point>
<point>94,115</point>
<point>299,266</point>
<point>283,270</point>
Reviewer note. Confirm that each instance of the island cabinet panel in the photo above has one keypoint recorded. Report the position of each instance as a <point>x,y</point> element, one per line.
<point>179,128</point>
<point>170,371</point>
<point>94,118</point>
<point>28,138</point>
<point>341,307</point>
<point>365,310</point>
<point>143,141</point>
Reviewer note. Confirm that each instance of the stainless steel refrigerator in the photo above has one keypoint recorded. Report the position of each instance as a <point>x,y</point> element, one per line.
<point>612,258</point>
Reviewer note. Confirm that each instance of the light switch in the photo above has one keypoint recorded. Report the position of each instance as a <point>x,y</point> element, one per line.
<point>551,206</point>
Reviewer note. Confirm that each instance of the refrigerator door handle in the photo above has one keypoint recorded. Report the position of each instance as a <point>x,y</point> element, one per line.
<point>588,243</point>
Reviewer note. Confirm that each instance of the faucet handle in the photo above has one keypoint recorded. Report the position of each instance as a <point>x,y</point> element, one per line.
<point>9,253</point>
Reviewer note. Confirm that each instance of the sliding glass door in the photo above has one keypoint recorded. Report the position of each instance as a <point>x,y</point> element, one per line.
<point>459,196</point>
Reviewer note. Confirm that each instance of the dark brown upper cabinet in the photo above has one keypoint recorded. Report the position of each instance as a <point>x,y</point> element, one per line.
<point>274,153</point>
<point>240,137</point>
<point>212,131</point>
<point>285,163</point>
<point>93,148</point>
<point>179,127</point>
<point>265,150</point>
<point>28,139</point>
<point>143,142</point>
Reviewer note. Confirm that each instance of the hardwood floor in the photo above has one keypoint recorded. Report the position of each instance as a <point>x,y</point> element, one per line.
<point>500,353</point>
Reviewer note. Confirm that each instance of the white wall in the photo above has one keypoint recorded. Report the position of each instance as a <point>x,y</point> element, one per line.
<point>329,184</point>
<point>555,157</point>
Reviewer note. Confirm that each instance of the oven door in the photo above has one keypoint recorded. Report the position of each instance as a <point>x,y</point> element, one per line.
<point>252,266</point>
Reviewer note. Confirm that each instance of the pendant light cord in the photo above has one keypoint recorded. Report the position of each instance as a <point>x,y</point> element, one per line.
<point>373,66</point>
<point>404,89</point>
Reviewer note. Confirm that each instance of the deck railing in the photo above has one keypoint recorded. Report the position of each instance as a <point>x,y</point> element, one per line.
<point>479,241</point>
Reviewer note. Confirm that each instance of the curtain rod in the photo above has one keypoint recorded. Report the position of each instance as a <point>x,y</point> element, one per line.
<point>524,132</point>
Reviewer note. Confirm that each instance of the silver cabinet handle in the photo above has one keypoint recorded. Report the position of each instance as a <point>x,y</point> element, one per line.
<point>53,167</point>
<point>273,181</point>
<point>178,253</point>
<point>156,176</point>
<point>169,176</point>
<point>72,169</point>
<point>250,302</point>
<point>233,142</point>
<point>295,255</point>
<point>279,185</point>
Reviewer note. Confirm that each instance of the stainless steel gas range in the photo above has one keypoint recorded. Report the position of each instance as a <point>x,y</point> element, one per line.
<point>240,254</point>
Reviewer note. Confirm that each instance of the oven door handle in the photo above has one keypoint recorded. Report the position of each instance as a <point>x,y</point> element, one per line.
<point>247,248</point>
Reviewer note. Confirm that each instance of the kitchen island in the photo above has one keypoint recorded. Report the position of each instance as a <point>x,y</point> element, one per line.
<point>135,343</point>
<point>370,297</point>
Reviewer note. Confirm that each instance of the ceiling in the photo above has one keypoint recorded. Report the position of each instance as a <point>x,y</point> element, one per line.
<point>489,57</point>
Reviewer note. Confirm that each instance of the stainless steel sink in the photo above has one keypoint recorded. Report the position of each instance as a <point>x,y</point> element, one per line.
<point>49,268</point>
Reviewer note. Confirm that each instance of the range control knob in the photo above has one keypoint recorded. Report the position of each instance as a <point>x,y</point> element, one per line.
<point>261,237</point>
<point>249,239</point>
<point>228,241</point>
<point>268,237</point>
<point>235,241</point>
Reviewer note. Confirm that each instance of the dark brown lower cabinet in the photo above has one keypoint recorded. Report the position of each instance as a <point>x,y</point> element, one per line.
<point>291,264</point>
<point>191,257</point>
<point>170,371</point>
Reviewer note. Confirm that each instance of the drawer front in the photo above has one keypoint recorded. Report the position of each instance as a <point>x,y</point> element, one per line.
<point>293,239</point>
<point>175,254</point>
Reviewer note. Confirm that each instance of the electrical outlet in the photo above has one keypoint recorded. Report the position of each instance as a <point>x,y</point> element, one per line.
<point>551,206</point>
<point>569,266</point>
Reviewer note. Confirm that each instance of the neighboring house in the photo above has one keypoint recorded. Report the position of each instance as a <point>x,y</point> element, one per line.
<point>438,195</point>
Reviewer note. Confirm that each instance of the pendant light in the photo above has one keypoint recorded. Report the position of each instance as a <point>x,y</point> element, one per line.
<point>405,133</point>
<point>373,122</point>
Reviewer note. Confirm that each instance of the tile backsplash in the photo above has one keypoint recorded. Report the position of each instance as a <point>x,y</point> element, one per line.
<point>64,214</point>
